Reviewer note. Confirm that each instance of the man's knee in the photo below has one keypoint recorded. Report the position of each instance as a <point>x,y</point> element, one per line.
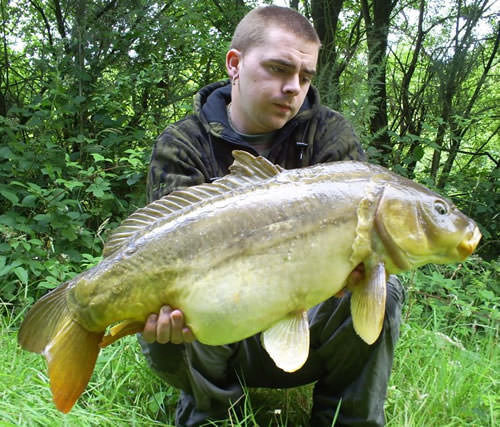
<point>167,361</point>
<point>396,296</point>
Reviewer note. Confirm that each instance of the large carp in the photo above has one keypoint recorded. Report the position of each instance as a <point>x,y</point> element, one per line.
<point>248,253</point>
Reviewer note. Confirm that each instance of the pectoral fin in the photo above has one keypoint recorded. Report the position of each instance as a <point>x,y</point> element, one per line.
<point>287,342</point>
<point>368,304</point>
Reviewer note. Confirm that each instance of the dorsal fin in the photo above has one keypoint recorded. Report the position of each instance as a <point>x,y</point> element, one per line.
<point>246,170</point>
<point>246,164</point>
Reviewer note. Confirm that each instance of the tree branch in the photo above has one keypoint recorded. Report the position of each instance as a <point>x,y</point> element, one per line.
<point>59,19</point>
<point>45,20</point>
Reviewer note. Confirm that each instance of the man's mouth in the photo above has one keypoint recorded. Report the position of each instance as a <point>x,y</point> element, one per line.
<point>284,107</point>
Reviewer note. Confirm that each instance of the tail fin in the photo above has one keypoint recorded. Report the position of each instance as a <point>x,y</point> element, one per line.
<point>71,350</point>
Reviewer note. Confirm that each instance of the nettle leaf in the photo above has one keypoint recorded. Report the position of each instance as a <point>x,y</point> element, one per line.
<point>69,233</point>
<point>29,201</point>
<point>5,270</point>
<point>49,283</point>
<point>79,99</point>
<point>21,274</point>
<point>5,153</point>
<point>9,195</point>
<point>99,188</point>
<point>134,178</point>
<point>42,218</point>
<point>69,184</point>
<point>99,157</point>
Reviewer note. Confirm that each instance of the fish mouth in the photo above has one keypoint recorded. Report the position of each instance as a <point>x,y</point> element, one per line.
<point>467,245</point>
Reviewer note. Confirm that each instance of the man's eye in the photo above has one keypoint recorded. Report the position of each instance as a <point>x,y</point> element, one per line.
<point>276,69</point>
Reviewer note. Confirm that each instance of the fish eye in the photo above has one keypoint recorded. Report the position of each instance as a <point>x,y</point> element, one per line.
<point>440,207</point>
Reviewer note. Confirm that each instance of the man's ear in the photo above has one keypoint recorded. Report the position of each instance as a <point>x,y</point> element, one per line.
<point>233,60</point>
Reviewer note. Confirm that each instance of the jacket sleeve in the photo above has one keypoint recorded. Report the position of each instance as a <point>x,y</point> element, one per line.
<point>335,139</point>
<point>176,162</point>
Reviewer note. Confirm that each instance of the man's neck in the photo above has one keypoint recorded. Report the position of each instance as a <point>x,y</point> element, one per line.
<point>260,142</point>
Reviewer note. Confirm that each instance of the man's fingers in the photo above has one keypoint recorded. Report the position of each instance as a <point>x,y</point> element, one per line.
<point>149,333</point>
<point>177,324</point>
<point>164,325</point>
<point>356,276</point>
<point>167,326</point>
<point>187,335</point>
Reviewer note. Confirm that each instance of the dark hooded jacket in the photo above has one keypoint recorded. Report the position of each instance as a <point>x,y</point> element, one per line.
<point>198,148</point>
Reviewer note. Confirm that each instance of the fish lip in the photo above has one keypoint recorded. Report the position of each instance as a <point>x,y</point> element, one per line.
<point>469,244</point>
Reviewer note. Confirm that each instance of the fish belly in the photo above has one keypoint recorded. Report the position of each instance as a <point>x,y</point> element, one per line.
<point>248,294</point>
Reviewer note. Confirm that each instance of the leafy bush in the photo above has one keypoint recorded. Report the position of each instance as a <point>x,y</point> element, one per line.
<point>55,211</point>
<point>459,300</point>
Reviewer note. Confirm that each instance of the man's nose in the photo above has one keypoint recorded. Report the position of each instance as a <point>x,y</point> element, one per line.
<point>292,85</point>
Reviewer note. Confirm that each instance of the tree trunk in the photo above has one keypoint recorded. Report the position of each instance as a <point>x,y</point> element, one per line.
<point>325,14</point>
<point>377,19</point>
<point>456,132</point>
<point>409,124</point>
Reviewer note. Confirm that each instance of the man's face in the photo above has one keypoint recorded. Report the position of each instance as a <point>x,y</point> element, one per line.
<point>270,81</point>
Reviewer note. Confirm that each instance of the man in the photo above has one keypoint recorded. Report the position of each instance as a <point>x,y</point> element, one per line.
<point>269,108</point>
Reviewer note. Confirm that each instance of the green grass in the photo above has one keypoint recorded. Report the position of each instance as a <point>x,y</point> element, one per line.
<point>122,390</point>
<point>436,381</point>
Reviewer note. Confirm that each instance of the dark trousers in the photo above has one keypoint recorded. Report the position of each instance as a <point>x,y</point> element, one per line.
<point>344,367</point>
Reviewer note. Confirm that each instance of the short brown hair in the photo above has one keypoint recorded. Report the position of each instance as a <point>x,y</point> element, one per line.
<point>252,28</point>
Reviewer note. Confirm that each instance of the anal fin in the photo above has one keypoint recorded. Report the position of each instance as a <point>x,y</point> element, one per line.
<point>368,304</point>
<point>287,341</point>
<point>122,329</point>
<point>71,357</point>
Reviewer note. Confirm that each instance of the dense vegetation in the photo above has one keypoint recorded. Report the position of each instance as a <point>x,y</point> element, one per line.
<point>86,86</point>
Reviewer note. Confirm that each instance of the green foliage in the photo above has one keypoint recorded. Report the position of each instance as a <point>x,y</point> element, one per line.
<point>55,210</point>
<point>460,301</point>
<point>478,195</point>
<point>81,101</point>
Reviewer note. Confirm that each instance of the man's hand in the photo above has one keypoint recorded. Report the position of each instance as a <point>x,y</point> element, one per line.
<point>167,326</point>
<point>356,276</point>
